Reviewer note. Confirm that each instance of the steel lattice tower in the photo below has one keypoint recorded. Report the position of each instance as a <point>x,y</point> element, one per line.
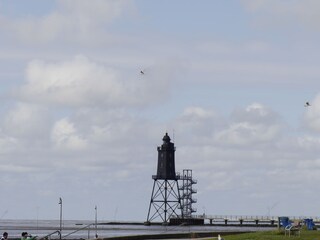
<point>165,198</point>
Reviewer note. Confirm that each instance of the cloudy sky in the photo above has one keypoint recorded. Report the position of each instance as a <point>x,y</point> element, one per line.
<point>227,80</point>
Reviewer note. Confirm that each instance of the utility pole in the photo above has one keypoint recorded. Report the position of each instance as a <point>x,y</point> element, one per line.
<point>96,220</point>
<point>60,203</point>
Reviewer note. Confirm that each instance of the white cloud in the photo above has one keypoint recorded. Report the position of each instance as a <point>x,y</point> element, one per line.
<point>256,113</point>
<point>7,143</point>
<point>246,134</point>
<point>82,83</point>
<point>248,144</point>
<point>251,126</point>
<point>78,20</point>
<point>65,136</point>
<point>197,113</point>
<point>74,83</point>
<point>198,121</point>
<point>303,13</point>
<point>26,121</point>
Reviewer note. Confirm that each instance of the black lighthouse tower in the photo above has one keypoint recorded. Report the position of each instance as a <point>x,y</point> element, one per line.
<point>165,198</point>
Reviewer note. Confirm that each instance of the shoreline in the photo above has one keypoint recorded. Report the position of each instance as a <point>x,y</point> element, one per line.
<point>73,230</point>
<point>174,235</point>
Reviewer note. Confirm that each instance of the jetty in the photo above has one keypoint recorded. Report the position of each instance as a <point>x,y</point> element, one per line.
<point>249,220</point>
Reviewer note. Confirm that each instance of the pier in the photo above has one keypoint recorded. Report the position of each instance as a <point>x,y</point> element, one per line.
<point>249,220</point>
<point>242,220</point>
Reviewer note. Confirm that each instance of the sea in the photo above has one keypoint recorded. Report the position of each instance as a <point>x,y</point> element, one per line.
<point>79,229</point>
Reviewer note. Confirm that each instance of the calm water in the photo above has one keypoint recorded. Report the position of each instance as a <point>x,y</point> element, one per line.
<point>42,228</point>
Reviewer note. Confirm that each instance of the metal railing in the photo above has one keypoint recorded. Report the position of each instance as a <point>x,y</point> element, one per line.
<point>252,217</point>
<point>81,229</point>
<point>50,234</point>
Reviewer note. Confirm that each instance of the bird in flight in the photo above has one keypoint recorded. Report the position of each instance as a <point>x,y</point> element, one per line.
<point>142,72</point>
<point>307,104</point>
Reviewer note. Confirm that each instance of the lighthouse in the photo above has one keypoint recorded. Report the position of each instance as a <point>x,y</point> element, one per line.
<point>165,201</point>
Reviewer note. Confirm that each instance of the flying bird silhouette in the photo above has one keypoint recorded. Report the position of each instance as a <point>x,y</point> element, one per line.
<point>142,72</point>
<point>307,104</point>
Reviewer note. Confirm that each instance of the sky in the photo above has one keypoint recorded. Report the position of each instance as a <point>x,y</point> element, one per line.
<point>227,80</point>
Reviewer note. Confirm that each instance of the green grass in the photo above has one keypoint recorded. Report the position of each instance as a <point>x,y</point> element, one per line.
<point>274,235</point>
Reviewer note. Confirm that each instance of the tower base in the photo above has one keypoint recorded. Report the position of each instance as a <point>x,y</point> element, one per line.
<point>186,221</point>
<point>165,201</point>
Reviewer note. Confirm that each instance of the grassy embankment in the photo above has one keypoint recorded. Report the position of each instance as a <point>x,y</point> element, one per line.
<point>274,235</point>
